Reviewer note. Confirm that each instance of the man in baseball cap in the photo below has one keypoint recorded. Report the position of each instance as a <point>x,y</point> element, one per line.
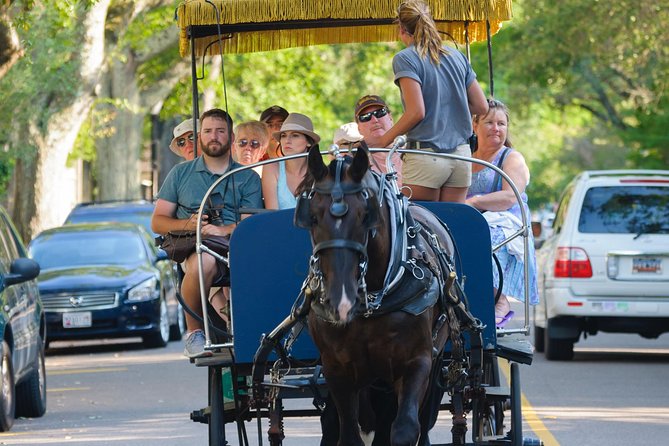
<point>273,117</point>
<point>182,143</point>
<point>373,117</point>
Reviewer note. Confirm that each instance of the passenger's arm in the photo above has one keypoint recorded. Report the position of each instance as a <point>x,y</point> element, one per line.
<point>414,112</point>
<point>478,104</point>
<point>164,220</point>
<point>514,166</point>
<point>270,178</point>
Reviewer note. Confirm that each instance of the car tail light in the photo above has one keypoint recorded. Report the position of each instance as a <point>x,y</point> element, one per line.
<point>572,262</point>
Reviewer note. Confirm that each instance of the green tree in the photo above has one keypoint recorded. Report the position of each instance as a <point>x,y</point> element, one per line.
<point>610,59</point>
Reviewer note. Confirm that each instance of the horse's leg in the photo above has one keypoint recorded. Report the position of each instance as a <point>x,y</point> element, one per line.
<point>410,391</point>
<point>346,400</point>
<point>366,417</point>
<point>329,424</point>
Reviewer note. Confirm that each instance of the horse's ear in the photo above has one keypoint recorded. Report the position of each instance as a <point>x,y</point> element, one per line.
<point>359,165</point>
<point>317,167</point>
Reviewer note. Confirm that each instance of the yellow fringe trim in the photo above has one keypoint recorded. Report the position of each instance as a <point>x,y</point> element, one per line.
<point>450,16</point>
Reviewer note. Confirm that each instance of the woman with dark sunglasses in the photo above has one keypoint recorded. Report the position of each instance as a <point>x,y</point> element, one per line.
<point>440,93</point>
<point>251,140</point>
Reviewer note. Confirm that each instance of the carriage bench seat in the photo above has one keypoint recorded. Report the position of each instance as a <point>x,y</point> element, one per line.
<point>515,348</point>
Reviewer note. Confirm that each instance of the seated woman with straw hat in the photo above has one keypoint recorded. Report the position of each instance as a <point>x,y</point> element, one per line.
<point>280,180</point>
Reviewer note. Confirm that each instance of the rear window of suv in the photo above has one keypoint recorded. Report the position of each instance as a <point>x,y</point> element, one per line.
<point>625,210</point>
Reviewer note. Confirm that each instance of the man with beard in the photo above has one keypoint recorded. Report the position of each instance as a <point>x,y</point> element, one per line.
<point>179,199</point>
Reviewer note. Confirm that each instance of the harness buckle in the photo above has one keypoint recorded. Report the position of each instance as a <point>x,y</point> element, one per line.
<point>416,270</point>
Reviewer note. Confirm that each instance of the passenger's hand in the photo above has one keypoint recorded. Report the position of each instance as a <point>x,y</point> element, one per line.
<point>209,230</point>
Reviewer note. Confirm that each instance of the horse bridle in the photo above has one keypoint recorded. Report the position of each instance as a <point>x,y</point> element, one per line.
<point>338,209</point>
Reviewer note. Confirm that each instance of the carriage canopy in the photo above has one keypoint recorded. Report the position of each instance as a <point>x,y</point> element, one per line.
<point>266,25</point>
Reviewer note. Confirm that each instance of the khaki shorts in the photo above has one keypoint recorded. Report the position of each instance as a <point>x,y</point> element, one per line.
<point>437,172</point>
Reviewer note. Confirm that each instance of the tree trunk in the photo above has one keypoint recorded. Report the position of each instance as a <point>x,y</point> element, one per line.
<point>117,164</point>
<point>45,187</point>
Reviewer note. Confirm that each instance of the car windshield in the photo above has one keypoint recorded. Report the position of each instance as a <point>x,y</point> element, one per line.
<point>625,210</point>
<point>85,248</point>
<point>142,218</point>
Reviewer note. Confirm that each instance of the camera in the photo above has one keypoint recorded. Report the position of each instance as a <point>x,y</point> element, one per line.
<point>214,217</point>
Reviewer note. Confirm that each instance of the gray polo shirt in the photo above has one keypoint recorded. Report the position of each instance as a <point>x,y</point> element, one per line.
<point>188,182</point>
<point>448,122</point>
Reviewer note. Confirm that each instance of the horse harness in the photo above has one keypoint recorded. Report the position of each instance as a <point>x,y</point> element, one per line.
<point>412,293</point>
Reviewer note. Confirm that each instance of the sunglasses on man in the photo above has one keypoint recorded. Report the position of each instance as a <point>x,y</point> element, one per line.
<point>182,141</point>
<point>380,113</point>
<point>254,143</point>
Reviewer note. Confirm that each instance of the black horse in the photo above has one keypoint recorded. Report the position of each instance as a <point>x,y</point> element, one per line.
<point>396,332</point>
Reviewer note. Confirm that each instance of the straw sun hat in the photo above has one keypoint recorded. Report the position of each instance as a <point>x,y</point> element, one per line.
<point>297,122</point>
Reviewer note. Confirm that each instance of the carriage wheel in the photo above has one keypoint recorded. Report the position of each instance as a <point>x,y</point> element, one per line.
<point>516,411</point>
<point>216,408</point>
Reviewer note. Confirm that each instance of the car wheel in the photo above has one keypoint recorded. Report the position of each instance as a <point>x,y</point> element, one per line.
<point>539,345</point>
<point>178,330</point>
<point>31,393</point>
<point>160,337</point>
<point>7,396</point>
<point>557,349</point>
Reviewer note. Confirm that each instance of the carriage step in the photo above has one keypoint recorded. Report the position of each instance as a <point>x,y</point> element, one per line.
<point>497,392</point>
<point>219,358</point>
<point>515,348</point>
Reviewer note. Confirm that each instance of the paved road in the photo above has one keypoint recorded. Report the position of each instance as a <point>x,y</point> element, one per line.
<point>613,394</point>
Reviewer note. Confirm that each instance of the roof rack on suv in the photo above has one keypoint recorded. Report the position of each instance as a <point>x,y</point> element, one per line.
<point>613,173</point>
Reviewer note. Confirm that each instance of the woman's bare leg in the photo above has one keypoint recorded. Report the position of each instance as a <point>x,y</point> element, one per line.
<point>453,194</point>
<point>420,193</point>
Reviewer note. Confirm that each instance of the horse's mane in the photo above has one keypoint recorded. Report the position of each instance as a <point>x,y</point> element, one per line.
<point>370,180</point>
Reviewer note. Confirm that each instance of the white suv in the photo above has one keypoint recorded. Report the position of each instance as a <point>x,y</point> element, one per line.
<point>606,265</point>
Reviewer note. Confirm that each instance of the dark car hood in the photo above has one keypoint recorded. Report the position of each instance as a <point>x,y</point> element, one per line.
<point>93,277</point>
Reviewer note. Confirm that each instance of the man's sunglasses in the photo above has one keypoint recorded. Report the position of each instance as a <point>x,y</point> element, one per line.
<point>380,113</point>
<point>254,143</point>
<point>182,141</point>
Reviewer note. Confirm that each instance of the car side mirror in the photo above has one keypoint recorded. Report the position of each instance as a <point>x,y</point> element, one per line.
<point>21,270</point>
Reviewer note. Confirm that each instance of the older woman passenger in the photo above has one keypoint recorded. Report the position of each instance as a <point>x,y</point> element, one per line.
<point>251,140</point>
<point>490,193</point>
<point>281,180</point>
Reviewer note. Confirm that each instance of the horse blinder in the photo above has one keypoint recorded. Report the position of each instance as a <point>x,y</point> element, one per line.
<point>303,218</point>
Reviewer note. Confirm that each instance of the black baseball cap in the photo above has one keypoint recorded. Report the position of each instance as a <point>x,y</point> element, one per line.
<point>274,110</point>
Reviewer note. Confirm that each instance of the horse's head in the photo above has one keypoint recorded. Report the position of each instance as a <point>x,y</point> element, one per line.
<point>340,211</point>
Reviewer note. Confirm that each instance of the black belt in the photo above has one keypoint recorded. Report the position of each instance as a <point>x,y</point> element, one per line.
<point>418,145</point>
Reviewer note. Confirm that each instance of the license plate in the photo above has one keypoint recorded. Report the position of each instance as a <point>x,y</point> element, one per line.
<point>646,265</point>
<point>77,320</point>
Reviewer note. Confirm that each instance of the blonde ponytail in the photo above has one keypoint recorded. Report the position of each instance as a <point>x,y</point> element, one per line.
<point>414,16</point>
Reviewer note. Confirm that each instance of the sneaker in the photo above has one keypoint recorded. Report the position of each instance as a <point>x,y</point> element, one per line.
<point>195,345</point>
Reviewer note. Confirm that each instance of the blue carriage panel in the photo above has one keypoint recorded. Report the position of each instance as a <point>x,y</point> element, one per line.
<point>472,237</point>
<point>269,260</point>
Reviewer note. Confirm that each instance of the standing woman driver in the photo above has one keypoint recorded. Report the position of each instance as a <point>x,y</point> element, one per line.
<point>440,94</point>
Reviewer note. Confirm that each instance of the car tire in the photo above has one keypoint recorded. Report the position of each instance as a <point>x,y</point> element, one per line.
<point>7,390</point>
<point>31,393</point>
<point>557,349</point>
<point>178,330</point>
<point>539,344</point>
<point>160,337</point>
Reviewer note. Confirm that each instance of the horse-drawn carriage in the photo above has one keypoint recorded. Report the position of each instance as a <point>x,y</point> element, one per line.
<point>344,278</point>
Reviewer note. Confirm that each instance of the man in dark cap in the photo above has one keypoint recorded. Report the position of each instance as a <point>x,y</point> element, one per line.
<point>273,117</point>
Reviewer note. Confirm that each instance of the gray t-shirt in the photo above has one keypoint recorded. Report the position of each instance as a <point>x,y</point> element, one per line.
<point>448,122</point>
<point>188,182</point>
